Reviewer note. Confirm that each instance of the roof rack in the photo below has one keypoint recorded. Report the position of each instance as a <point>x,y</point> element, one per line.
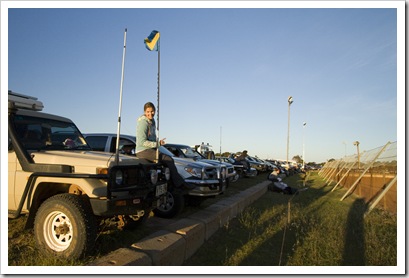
<point>20,101</point>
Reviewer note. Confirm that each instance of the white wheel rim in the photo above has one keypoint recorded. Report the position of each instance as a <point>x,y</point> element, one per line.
<point>57,231</point>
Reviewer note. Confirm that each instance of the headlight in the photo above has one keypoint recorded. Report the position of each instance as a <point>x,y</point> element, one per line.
<point>119,177</point>
<point>196,172</point>
<point>223,173</point>
<point>154,176</point>
<point>167,174</point>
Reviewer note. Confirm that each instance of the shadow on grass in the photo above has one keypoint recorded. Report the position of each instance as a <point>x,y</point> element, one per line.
<point>280,247</point>
<point>322,231</point>
<point>354,250</point>
<point>354,241</point>
<point>276,248</point>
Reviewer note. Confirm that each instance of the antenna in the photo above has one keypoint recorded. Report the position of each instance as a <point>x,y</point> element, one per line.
<point>120,101</point>
<point>220,141</point>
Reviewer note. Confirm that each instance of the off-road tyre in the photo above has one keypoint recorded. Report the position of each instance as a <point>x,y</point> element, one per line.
<point>65,226</point>
<point>175,202</point>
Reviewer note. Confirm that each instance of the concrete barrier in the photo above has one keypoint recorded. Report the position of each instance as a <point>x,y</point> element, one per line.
<point>178,241</point>
<point>210,220</point>
<point>163,247</point>
<point>123,257</point>
<point>193,231</point>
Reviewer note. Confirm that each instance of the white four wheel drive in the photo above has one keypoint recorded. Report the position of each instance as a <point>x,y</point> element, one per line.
<point>65,188</point>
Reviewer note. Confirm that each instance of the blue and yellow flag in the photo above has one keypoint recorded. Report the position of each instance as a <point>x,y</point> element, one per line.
<point>152,41</point>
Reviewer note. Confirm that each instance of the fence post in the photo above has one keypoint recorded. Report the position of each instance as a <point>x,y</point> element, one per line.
<point>363,173</point>
<point>327,169</point>
<point>327,178</point>
<point>342,168</point>
<point>350,168</point>
<point>322,168</point>
<point>381,195</point>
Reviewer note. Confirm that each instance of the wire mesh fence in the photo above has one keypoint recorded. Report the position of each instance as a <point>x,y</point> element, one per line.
<point>372,175</point>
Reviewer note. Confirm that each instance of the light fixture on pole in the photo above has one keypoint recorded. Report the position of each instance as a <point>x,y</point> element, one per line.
<point>356,143</point>
<point>290,100</point>
<point>303,146</point>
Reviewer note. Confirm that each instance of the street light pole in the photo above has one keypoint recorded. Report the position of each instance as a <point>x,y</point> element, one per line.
<point>290,100</point>
<point>356,143</point>
<point>303,146</point>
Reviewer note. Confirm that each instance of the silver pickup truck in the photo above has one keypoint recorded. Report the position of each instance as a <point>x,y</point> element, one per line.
<point>191,153</point>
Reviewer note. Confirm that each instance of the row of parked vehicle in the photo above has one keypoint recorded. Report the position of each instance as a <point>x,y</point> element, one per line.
<point>194,164</point>
<point>262,166</point>
<point>67,182</point>
<point>207,177</point>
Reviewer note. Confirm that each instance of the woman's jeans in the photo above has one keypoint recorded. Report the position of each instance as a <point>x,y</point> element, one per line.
<point>150,155</point>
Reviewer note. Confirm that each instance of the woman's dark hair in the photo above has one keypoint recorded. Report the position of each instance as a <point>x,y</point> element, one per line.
<point>149,105</point>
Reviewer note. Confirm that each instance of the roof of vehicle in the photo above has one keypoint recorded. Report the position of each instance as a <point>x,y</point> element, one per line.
<point>130,137</point>
<point>42,115</point>
<point>178,145</point>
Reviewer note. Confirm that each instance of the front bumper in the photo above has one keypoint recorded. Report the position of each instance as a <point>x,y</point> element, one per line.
<point>206,188</point>
<point>251,173</point>
<point>144,199</point>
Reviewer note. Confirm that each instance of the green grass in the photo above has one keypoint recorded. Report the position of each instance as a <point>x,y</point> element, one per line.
<point>312,228</point>
<point>22,249</point>
<point>320,230</point>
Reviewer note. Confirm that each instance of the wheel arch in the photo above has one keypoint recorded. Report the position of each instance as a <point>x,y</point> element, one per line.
<point>45,190</point>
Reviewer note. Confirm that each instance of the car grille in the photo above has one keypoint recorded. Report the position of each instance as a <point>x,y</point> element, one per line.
<point>136,176</point>
<point>211,173</point>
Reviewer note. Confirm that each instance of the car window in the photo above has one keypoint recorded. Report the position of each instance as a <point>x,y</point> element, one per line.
<point>97,143</point>
<point>174,151</point>
<point>189,152</point>
<point>123,144</point>
<point>37,133</point>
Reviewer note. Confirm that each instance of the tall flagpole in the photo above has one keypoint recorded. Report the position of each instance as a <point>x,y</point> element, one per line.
<point>157,149</point>
<point>120,101</point>
<point>152,42</point>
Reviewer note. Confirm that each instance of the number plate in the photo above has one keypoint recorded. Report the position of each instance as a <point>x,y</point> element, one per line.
<point>161,189</point>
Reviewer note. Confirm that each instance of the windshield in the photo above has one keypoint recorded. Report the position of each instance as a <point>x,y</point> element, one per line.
<point>230,160</point>
<point>37,133</point>
<point>189,152</point>
<point>165,151</point>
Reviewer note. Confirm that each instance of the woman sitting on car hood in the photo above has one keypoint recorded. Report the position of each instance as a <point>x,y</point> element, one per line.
<point>146,141</point>
<point>147,144</point>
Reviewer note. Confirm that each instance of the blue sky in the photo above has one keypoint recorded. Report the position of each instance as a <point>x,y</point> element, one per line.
<point>225,73</point>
